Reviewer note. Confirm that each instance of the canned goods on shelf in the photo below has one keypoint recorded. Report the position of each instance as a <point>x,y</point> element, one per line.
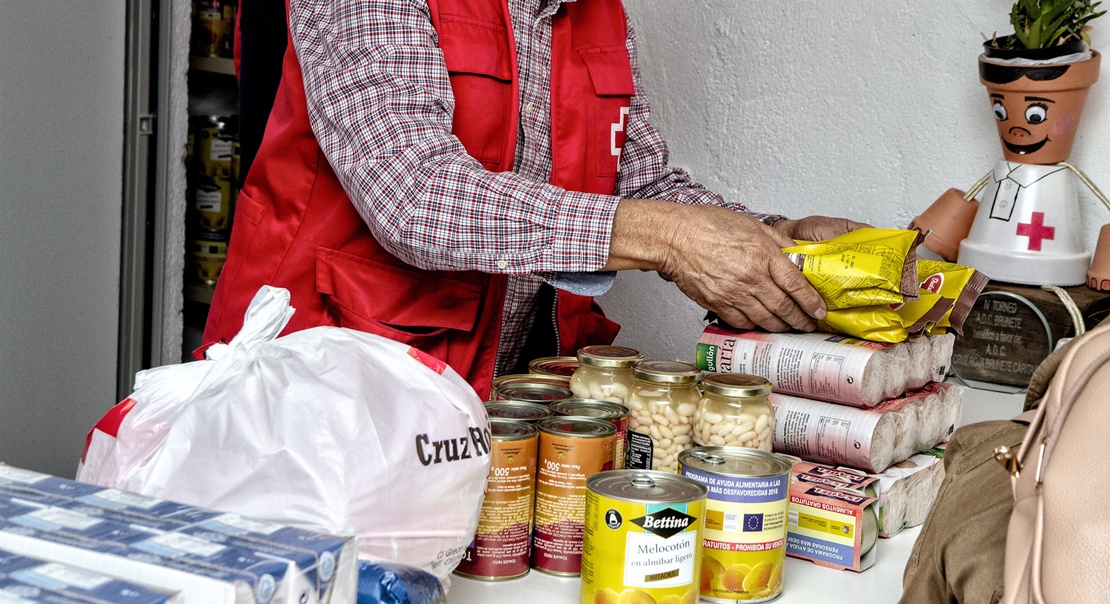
<point>214,139</point>
<point>209,252</point>
<point>214,35</point>
<point>212,200</point>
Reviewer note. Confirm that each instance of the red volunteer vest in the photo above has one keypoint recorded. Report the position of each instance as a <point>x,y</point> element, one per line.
<point>296,228</point>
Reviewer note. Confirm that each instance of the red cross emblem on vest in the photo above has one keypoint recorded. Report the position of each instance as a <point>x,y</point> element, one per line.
<point>1036,231</point>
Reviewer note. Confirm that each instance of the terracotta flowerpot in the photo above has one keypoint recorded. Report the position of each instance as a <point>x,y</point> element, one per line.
<point>1098,276</point>
<point>1038,107</point>
<point>948,221</point>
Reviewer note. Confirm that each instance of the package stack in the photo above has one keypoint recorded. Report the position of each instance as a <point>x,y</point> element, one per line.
<point>844,402</point>
<point>866,392</point>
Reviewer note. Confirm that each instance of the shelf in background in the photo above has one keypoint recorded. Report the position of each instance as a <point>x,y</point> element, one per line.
<point>199,294</point>
<point>213,65</point>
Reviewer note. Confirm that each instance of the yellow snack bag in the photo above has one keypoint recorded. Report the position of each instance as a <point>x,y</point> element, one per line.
<point>861,268</point>
<point>947,293</point>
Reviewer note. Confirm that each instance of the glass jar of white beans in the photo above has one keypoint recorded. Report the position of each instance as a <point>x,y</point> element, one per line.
<point>733,411</point>
<point>604,373</point>
<point>661,404</point>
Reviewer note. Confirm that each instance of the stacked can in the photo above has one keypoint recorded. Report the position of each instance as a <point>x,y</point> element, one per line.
<point>572,449</point>
<point>214,28</point>
<point>213,187</point>
<point>614,413</point>
<point>643,539</point>
<point>502,544</point>
<point>745,521</point>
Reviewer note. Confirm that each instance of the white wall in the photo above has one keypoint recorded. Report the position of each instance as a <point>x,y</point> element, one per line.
<point>61,157</point>
<point>860,109</point>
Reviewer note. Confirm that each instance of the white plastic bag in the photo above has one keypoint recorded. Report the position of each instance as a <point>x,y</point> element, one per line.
<point>327,429</point>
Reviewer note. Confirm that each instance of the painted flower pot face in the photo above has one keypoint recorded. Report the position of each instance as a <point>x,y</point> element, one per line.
<point>1038,107</point>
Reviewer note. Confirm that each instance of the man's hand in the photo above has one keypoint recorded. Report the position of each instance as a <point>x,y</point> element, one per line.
<point>725,261</point>
<point>817,228</point>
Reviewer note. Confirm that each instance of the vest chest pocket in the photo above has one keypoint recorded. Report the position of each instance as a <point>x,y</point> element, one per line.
<point>479,64</point>
<point>611,75</point>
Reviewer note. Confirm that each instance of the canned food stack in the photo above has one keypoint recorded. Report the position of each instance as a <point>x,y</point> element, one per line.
<point>860,406</point>
<point>214,28</point>
<point>214,184</point>
<point>212,158</point>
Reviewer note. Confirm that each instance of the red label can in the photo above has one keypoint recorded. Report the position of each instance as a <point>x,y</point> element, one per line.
<point>501,546</point>
<point>571,450</point>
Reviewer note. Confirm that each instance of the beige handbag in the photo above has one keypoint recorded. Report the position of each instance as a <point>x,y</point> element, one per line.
<point>1058,541</point>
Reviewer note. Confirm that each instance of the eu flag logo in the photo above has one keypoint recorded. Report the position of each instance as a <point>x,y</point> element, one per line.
<point>753,523</point>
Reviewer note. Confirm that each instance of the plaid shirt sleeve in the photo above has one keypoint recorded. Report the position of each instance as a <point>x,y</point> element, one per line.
<point>380,105</point>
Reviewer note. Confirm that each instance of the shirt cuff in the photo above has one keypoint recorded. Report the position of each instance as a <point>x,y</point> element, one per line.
<point>585,284</point>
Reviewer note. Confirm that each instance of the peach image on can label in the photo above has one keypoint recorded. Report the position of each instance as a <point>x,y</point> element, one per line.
<point>643,538</point>
<point>745,521</point>
<point>501,546</point>
<point>571,450</point>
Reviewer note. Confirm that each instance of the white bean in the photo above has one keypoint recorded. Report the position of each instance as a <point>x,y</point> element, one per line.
<point>761,423</point>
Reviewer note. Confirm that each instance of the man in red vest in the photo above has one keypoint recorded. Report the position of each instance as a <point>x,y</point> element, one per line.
<point>464,175</point>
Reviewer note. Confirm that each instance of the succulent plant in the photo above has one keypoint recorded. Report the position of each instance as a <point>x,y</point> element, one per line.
<point>1048,23</point>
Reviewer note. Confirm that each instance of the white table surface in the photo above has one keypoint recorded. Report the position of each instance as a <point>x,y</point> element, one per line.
<point>803,582</point>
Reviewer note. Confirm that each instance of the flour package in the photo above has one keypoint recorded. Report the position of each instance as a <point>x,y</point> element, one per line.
<point>327,429</point>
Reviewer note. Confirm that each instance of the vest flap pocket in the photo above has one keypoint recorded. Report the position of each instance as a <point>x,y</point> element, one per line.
<point>477,47</point>
<point>405,298</point>
<point>610,70</point>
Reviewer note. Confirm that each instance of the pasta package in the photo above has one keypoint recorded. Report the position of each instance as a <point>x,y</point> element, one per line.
<point>826,366</point>
<point>861,268</point>
<point>947,292</point>
<point>866,439</point>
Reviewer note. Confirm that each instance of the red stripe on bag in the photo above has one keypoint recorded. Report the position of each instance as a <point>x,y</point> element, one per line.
<point>428,360</point>
<point>109,424</point>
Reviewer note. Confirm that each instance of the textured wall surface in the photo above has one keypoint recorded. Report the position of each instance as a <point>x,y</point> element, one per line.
<point>857,109</point>
<point>61,158</point>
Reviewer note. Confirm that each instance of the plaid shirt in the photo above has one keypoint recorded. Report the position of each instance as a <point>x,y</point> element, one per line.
<point>380,104</point>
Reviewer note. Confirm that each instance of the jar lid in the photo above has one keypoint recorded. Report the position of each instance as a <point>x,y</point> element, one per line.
<point>666,372</point>
<point>616,357</point>
<point>736,385</point>
<point>562,366</point>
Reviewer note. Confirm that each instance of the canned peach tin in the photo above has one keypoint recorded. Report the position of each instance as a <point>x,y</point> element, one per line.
<point>643,540</point>
<point>501,546</point>
<point>745,521</point>
<point>571,450</point>
<point>615,413</point>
